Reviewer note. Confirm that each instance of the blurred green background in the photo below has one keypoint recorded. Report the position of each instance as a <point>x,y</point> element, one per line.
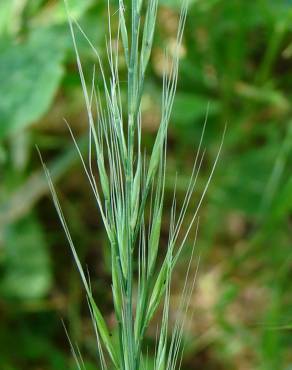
<point>236,57</point>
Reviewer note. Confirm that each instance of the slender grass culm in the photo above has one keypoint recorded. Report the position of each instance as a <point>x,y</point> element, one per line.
<point>131,189</point>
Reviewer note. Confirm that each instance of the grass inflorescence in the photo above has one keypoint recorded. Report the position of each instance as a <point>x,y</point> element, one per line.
<point>132,184</point>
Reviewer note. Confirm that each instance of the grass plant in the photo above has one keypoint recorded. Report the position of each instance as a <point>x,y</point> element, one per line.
<point>130,193</point>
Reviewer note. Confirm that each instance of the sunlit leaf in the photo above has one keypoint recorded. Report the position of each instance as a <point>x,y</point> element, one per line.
<point>190,108</point>
<point>30,74</point>
<point>26,262</point>
<point>56,13</point>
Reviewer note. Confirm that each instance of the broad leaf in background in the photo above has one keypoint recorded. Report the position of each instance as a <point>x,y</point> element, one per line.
<point>284,200</point>
<point>5,15</point>
<point>176,3</point>
<point>189,109</point>
<point>56,13</point>
<point>246,198</point>
<point>26,263</point>
<point>30,74</point>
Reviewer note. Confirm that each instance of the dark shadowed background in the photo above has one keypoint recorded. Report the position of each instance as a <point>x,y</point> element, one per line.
<point>236,58</point>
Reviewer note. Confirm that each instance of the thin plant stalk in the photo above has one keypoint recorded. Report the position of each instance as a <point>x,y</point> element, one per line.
<point>129,185</point>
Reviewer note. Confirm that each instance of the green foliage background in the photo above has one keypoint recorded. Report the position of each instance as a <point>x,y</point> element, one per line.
<point>236,59</point>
